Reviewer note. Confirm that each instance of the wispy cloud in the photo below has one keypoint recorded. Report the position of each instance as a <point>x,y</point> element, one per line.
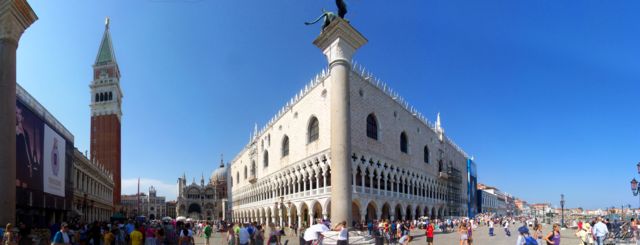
<point>168,190</point>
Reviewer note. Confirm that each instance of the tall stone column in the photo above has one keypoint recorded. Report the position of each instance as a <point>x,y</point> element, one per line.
<point>338,42</point>
<point>15,17</point>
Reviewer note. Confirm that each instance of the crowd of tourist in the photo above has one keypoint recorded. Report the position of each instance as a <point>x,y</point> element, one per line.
<point>172,232</point>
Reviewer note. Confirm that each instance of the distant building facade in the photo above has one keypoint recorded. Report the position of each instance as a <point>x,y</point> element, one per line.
<point>92,189</point>
<point>204,201</point>
<point>149,205</point>
<point>170,206</point>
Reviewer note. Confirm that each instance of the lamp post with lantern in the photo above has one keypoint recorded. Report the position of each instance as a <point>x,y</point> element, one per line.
<point>562,210</point>
<point>634,184</point>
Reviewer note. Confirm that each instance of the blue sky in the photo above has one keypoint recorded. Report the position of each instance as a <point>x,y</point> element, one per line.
<point>543,93</point>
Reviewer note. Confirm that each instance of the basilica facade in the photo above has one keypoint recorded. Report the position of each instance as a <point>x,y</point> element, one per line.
<point>204,201</point>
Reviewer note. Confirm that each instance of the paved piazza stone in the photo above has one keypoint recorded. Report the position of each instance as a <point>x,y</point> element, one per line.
<point>480,236</point>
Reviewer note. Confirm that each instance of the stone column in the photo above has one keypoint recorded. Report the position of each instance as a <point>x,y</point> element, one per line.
<point>15,17</point>
<point>338,42</point>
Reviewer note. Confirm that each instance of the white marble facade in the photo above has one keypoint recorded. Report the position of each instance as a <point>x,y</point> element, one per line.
<point>403,165</point>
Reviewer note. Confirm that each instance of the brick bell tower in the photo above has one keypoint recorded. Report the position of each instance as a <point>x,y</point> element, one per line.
<point>106,111</point>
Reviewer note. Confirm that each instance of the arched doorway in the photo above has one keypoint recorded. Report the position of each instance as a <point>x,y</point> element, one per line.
<point>371,212</point>
<point>304,211</point>
<point>317,211</point>
<point>386,210</point>
<point>355,213</point>
<point>268,216</point>
<point>194,211</point>
<point>293,212</point>
<point>398,212</point>
<point>408,214</point>
<point>152,217</point>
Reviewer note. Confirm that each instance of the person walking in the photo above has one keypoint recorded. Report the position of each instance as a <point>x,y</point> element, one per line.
<point>274,236</point>
<point>109,237</point>
<point>343,236</point>
<point>553,238</point>
<point>469,233</point>
<point>231,238</point>
<point>429,232</point>
<point>507,232</point>
<point>537,233</point>
<point>464,235</point>
<point>136,236</point>
<point>522,237</point>
<point>600,232</point>
<point>60,238</point>
<point>243,235</point>
<point>150,235</point>
<point>9,237</point>
<point>584,233</point>
<point>258,235</point>
<point>207,233</point>
<point>491,227</point>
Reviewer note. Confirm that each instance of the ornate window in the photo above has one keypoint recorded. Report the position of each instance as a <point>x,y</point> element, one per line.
<point>426,154</point>
<point>237,177</point>
<point>265,161</point>
<point>312,130</point>
<point>110,95</point>
<point>372,127</point>
<point>245,172</point>
<point>404,142</point>
<point>285,146</point>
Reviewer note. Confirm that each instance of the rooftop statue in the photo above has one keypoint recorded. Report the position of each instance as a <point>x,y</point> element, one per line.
<point>329,16</point>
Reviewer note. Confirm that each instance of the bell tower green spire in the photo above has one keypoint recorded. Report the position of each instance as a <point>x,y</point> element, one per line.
<point>105,54</point>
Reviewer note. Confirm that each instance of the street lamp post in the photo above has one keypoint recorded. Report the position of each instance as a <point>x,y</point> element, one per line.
<point>634,185</point>
<point>562,209</point>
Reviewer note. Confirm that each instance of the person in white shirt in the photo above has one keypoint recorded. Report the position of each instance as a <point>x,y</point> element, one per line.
<point>343,236</point>
<point>600,231</point>
<point>490,227</point>
<point>507,232</point>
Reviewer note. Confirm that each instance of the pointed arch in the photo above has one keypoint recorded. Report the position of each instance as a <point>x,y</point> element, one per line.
<point>426,154</point>
<point>404,142</point>
<point>285,146</point>
<point>265,159</point>
<point>372,126</point>
<point>313,131</point>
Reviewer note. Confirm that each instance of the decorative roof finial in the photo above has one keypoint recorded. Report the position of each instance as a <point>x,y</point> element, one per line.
<point>106,22</point>
<point>221,160</point>
<point>255,130</point>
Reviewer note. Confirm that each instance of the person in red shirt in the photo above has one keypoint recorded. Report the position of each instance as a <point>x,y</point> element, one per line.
<point>430,233</point>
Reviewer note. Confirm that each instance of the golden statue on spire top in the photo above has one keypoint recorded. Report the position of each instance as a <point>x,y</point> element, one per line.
<point>106,22</point>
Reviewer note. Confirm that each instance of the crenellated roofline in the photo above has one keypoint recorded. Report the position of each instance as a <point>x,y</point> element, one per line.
<point>362,73</point>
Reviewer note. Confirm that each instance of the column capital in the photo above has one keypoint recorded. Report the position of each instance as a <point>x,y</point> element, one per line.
<point>15,17</point>
<point>339,41</point>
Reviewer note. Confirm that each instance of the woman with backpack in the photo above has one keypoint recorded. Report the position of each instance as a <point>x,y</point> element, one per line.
<point>231,237</point>
<point>274,235</point>
<point>258,235</point>
<point>524,238</point>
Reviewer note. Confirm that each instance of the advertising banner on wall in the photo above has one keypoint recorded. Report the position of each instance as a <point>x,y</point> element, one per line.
<point>28,149</point>
<point>54,162</point>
